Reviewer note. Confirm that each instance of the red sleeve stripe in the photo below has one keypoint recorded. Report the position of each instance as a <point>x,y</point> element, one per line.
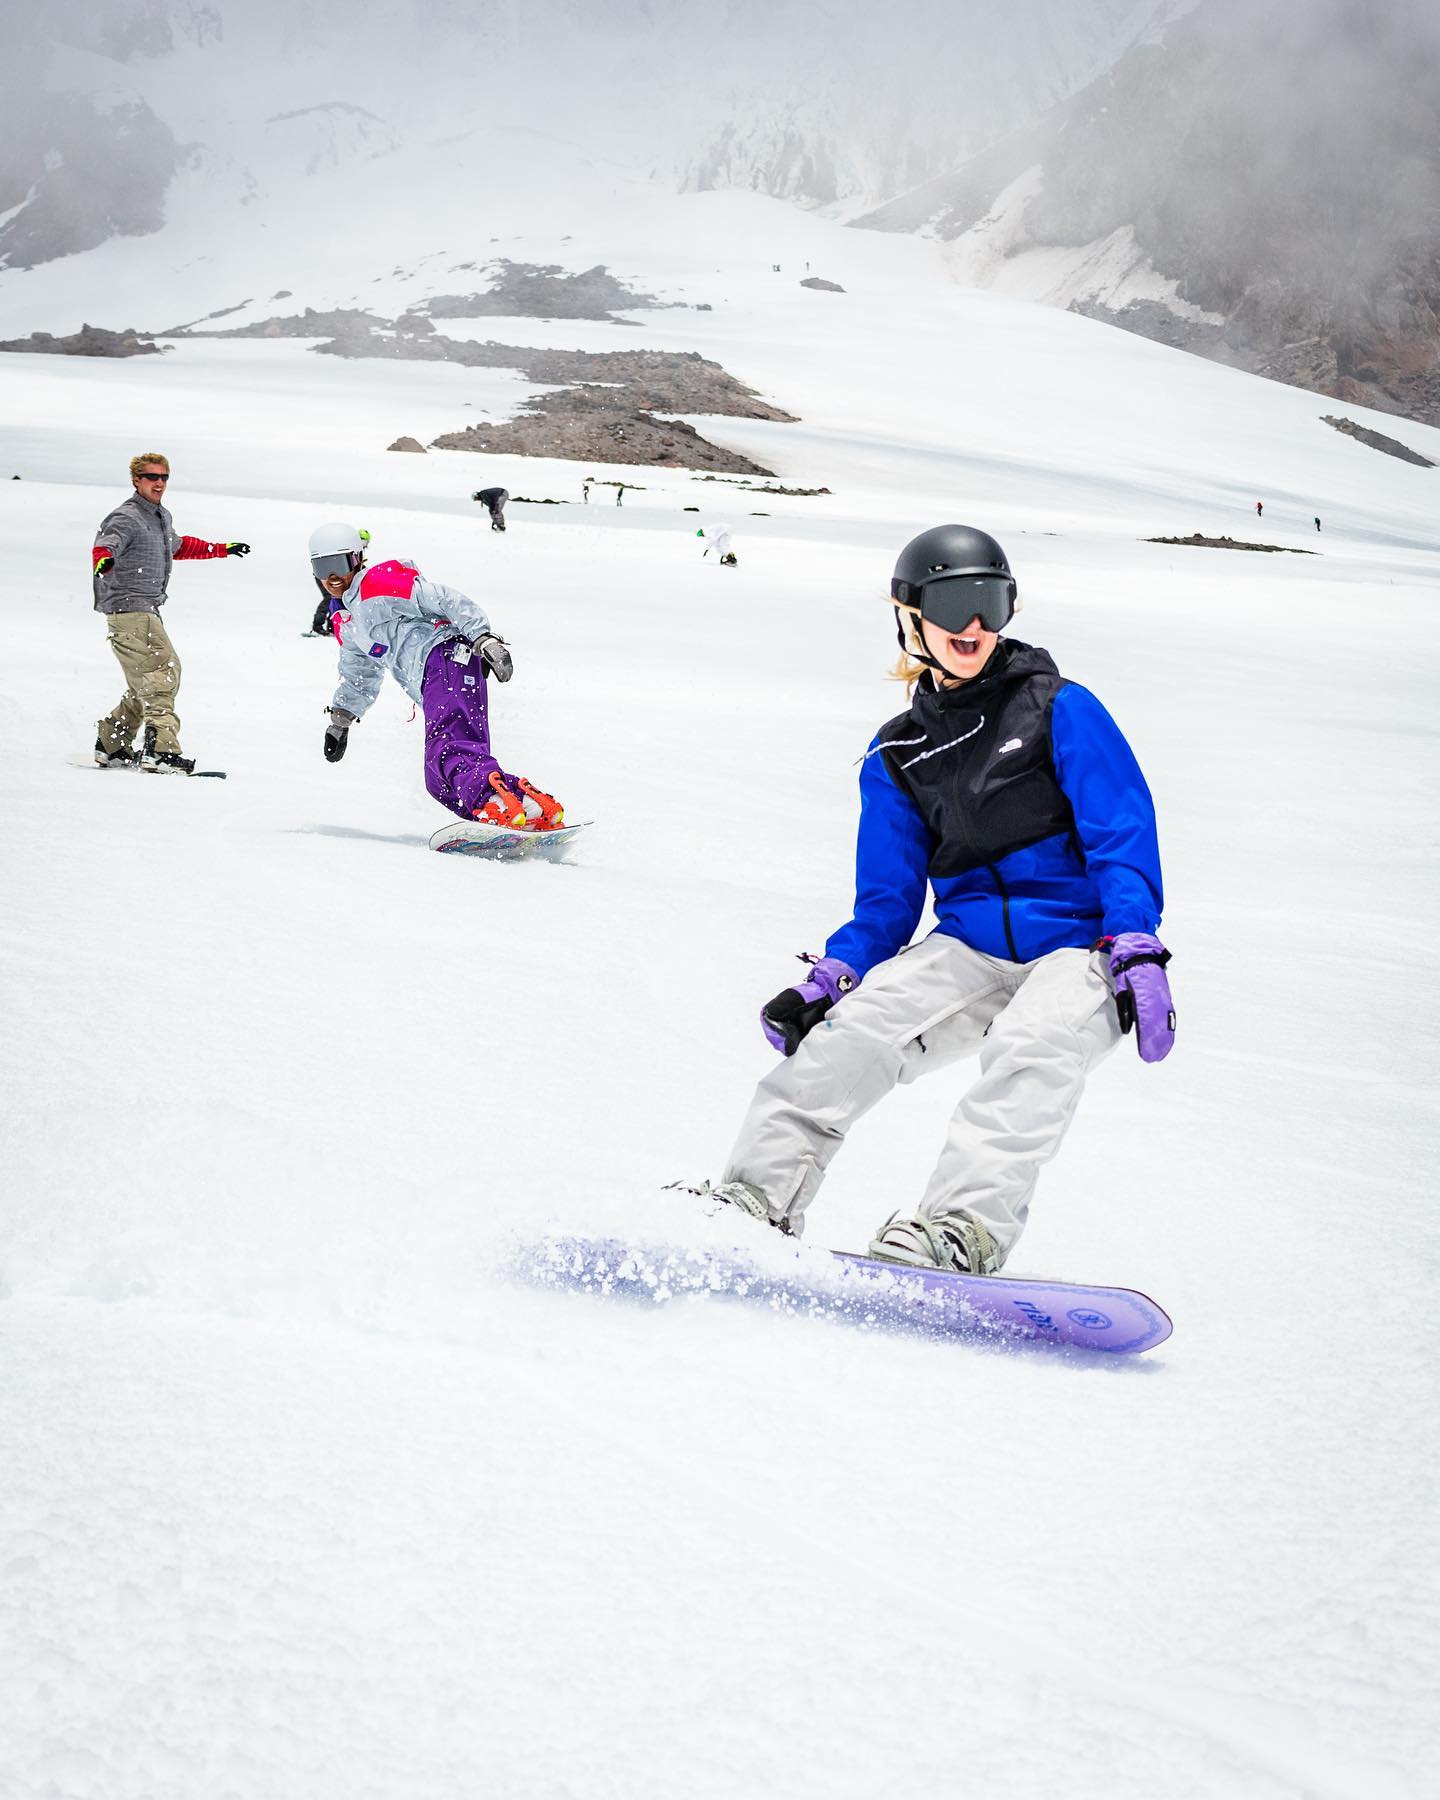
<point>193,546</point>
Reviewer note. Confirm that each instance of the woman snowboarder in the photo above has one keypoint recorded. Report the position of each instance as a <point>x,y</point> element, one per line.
<point>1011,792</point>
<point>439,646</point>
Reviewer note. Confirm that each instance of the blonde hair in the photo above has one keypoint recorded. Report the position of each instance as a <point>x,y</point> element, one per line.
<point>906,667</point>
<point>137,463</point>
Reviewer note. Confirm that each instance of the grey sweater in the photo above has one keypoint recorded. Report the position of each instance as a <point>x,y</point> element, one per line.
<point>143,540</point>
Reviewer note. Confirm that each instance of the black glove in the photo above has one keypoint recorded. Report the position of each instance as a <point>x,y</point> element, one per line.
<point>237,549</point>
<point>492,652</point>
<point>796,1011</point>
<point>337,732</point>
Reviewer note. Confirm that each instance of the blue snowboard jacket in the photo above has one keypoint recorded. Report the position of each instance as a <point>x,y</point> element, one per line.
<point>1017,800</point>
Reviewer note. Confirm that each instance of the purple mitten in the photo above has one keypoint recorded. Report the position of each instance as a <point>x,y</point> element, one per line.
<point>1142,991</point>
<point>796,1010</point>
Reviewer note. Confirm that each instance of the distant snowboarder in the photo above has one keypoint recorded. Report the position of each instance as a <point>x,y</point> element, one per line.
<point>1259,509</point>
<point>620,493</point>
<point>1317,524</point>
<point>585,489</point>
<point>493,500</point>
<point>1009,792</point>
<point>439,646</point>
<point>134,548</point>
<point>717,538</point>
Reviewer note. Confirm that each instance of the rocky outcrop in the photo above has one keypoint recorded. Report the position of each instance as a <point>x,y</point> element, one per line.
<point>1377,440</point>
<point>578,426</point>
<point>1277,170</point>
<point>74,174</point>
<point>413,445</point>
<point>608,405</point>
<point>1198,540</point>
<point>89,340</point>
<point>541,291</point>
<point>829,287</point>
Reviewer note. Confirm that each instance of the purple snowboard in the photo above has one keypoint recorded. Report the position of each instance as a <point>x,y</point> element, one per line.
<point>869,1293</point>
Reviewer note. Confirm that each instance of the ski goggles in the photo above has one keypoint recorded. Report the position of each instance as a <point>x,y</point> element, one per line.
<point>952,601</point>
<point>339,562</point>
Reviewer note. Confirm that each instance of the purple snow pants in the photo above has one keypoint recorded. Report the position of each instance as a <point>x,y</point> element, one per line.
<point>458,763</point>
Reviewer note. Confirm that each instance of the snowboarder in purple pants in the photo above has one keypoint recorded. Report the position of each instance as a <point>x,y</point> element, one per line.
<point>1008,795</point>
<point>439,646</point>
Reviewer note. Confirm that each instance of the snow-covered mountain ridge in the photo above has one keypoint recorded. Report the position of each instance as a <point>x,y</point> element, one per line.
<point>820,103</point>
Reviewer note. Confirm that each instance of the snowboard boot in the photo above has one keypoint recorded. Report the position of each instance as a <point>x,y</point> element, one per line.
<point>123,758</point>
<point>504,807</point>
<point>954,1242</point>
<point>729,560</point>
<point>497,524</point>
<point>544,811</point>
<point>167,762</point>
<point>743,1195</point>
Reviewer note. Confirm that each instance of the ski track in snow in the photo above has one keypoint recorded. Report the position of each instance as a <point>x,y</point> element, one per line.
<point>300,1494</point>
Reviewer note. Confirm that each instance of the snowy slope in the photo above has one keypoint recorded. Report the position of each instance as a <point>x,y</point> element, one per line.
<point>303,1495</point>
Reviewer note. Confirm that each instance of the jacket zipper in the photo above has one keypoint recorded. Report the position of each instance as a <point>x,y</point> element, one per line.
<point>1005,905</point>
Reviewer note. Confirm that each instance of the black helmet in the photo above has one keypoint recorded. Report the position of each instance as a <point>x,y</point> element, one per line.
<point>952,574</point>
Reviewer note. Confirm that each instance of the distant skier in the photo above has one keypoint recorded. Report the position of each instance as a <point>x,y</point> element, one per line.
<point>1259,509</point>
<point>439,646</point>
<point>134,548</point>
<point>1317,524</point>
<point>493,500</point>
<point>619,493</point>
<point>585,489</point>
<point>1010,792</point>
<point>718,539</point>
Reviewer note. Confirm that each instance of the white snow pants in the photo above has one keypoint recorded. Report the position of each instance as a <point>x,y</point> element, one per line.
<point>1040,1027</point>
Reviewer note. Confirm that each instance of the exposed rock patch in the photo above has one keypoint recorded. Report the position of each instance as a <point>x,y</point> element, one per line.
<point>1197,538</point>
<point>575,428</point>
<point>407,443</point>
<point>542,291</point>
<point>829,287</point>
<point>1377,440</point>
<point>341,321</point>
<point>605,408</point>
<point>89,340</point>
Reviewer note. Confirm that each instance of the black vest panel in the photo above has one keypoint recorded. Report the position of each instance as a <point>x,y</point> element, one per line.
<point>976,760</point>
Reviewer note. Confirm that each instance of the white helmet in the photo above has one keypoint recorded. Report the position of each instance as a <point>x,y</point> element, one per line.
<point>337,549</point>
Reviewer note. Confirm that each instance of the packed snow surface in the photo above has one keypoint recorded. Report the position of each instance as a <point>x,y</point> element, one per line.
<point>302,1493</point>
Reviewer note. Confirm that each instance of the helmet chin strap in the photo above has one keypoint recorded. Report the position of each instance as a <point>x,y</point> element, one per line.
<point>915,650</point>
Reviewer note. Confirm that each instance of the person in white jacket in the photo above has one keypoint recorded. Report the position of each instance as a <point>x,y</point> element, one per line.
<point>439,646</point>
<point>718,538</point>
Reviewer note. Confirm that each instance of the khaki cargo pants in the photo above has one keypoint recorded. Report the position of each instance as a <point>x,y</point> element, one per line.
<point>152,679</point>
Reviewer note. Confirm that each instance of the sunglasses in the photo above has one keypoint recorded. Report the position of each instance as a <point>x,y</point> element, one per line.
<point>952,601</point>
<point>145,475</point>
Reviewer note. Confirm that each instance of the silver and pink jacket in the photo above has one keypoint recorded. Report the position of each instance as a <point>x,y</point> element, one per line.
<point>391,617</point>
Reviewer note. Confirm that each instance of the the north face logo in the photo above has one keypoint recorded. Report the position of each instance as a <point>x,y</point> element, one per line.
<point>1014,744</point>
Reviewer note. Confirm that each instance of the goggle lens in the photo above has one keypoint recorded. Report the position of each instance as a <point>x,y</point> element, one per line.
<point>952,601</point>
<point>340,562</point>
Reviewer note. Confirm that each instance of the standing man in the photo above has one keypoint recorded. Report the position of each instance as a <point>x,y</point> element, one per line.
<point>493,500</point>
<point>133,551</point>
<point>584,488</point>
<point>1259,509</point>
<point>619,493</point>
